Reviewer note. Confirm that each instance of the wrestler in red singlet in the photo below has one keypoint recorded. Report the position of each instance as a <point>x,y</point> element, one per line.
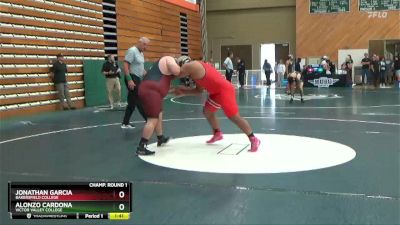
<point>221,92</point>
<point>221,95</point>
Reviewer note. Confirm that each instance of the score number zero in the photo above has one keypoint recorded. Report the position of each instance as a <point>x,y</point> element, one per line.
<point>121,206</point>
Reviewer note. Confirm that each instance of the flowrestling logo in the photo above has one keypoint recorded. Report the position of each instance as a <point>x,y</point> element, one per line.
<point>323,82</point>
<point>377,15</point>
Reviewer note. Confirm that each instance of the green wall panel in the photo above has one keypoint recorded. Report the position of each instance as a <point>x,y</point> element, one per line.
<point>95,82</point>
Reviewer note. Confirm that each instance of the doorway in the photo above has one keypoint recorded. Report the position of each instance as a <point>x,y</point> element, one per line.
<point>273,53</point>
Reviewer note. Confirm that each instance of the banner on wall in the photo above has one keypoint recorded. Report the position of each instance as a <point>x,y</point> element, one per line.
<point>374,5</point>
<point>329,6</point>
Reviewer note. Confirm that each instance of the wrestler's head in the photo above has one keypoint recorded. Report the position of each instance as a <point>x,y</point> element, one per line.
<point>183,59</point>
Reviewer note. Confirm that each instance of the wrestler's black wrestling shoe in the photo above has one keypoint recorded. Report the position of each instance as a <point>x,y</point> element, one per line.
<point>162,140</point>
<point>302,100</point>
<point>142,150</point>
<point>291,101</point>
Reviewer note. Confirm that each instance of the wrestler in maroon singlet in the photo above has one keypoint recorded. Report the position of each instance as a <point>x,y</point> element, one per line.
<point>152,90</point>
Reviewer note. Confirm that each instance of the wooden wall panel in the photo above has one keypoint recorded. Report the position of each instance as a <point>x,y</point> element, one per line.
<point>49,25</point>
<point>35,89</point>
<point>26,51</point>
<point>325,34</point>
<point>28,70</point>
<point>85,5</point>
<point>41,33</point>
<point>35,61</point>
<point>55,8</point>
<point>50,43</point>
<point>36,109</point>
<point>160,22</point>
<point>26,12</point>
<point>29,99</point>
<point>36,80</point>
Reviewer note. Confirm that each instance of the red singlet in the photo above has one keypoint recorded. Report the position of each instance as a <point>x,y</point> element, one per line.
<point>221,92</point>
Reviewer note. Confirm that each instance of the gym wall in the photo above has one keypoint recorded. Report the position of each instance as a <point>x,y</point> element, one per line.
<point>33,32</point>
<point>325,34</point>
<point>159,21</point>
<point>237,22</point>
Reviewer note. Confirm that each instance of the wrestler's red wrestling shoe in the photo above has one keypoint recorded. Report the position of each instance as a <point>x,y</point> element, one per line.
<point>255,143</point>
<point>217,137</point>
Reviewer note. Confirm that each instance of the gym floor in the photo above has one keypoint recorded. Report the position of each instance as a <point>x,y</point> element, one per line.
<point>89,145</point>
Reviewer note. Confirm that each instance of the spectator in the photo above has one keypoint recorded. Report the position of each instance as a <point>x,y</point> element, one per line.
<point>268,70</point>
<point>297,66</point>
<point>58,73</point>
<point>112,72</point>
<point>365,62</point>
<point>289,65</point>
<point>211,62</point>
<point>348,67</point>
<point>324,62</point>
<point>331,67</point>
<point>382,71</point>
<point>241,68</point>
<point>134,72</point>
<point>228,66</point>
<point>304,71</point>
<point>389,70</point>
<point>396,67</point>
<point>374,67</point>
<point>281,72</point>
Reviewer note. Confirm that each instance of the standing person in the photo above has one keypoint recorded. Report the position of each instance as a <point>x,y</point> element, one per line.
<point>281,72</point>
<point>112,71</point>
<point>241,68</point>
<point>396,67</point>
<point>221,95</point>
<point>389,69</point>
<point>374,67</point>
<point>289,65</point>
<point>268,70</point>
<point>325,64</point>
<point>228,66</point>
<point>365,62</point>
<point>382,71</point>
<point>275,72</point>
<point>211,62</point>
<point>58,74</point>
<point>348,66</point>
<point>297,66</point>
<point>134,72</point>
<point>332,67</point>
<point>153,89</point>
<point>289,69</point>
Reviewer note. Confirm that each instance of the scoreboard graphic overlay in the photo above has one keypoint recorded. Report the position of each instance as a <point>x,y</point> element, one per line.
<point>70,200</point>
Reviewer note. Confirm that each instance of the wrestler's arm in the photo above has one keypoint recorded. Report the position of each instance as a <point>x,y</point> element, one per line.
<point>187,70</point>
<point>173,67</point>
